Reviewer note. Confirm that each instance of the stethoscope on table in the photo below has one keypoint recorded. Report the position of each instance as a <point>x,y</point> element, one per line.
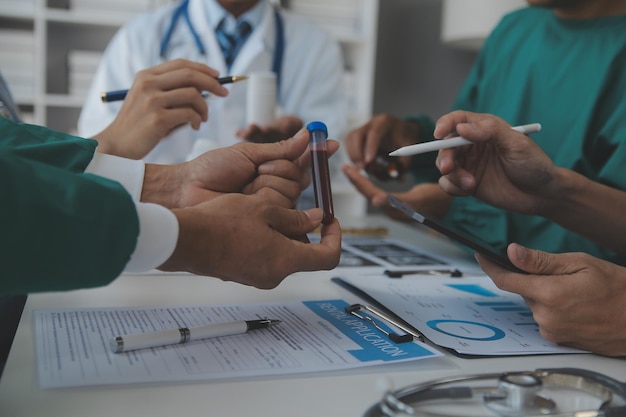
<point>182,12</point>
<point>561,392</point>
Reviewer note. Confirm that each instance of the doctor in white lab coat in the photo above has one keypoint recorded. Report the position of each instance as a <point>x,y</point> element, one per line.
<point>310,71</point>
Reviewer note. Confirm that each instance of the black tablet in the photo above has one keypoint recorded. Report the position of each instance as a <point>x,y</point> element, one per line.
<point>471,242</point>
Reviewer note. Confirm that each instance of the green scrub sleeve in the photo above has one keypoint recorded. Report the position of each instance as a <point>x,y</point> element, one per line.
<point>61,230</point>
<point>41,144</point>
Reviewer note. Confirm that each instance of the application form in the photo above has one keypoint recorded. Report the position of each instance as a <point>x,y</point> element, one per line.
<point>73,346</point>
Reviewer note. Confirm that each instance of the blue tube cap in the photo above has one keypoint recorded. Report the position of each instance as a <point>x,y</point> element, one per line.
<point>313,126</point>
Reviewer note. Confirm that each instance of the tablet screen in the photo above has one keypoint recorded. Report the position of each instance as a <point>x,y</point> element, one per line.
<point>470,241</point>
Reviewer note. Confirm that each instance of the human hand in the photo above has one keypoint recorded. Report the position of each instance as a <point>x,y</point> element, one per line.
<point>382,133</point>
<point>284,127</point>
<point>160,99</point>
<point>428,199</point>
<point>577,299</point>
<point>251,240</point>
<point>503,167</point>
<point>241,168</point>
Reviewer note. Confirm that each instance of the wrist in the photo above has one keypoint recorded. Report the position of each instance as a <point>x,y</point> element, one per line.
<point>161,185</point>
<point>176,261</point>
<point>562,193</point>
<point>104,145</point>
<point>108,141</point>
<point>190,253</point>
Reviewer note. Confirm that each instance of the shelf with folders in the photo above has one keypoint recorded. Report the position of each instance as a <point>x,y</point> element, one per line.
<point>97,12</point>
<point>18,58</point>
<point>67,33</point>
<point>354,24</point>
<point>72,55</point>
<point>91,17</point>
<point>17,8</point>
<point>344,19</point>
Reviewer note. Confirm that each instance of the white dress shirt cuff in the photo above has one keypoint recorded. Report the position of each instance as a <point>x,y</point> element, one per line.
<point>128,172</point>
<point>158,235</point>
<point>158,226</point>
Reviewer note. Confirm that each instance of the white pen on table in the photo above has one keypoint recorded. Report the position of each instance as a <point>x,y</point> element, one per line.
<point>436,145</point>
<point>184,334</point>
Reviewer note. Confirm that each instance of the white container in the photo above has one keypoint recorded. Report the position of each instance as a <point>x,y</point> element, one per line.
<point>261,98</point>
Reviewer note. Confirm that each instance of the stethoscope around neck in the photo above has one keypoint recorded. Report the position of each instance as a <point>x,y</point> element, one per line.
<point>559,392</point>
<point>182,12</point>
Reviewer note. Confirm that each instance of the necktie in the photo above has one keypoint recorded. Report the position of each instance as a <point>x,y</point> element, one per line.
<point>231,43</point>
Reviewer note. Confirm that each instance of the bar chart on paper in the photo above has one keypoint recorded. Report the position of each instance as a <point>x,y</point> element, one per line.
<point>469,315</point>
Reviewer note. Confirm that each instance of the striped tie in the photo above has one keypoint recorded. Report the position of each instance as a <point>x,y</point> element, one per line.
<point>232,43</point>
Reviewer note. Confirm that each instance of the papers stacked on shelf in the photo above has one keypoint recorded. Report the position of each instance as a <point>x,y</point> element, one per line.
<point>340,18</point>
<point>81,67</point>
<point>121,6</point>
<point>18,5</point>
<point>17,62</point>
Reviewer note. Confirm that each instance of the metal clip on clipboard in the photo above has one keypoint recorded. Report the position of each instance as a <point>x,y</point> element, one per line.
<point>399,273</point>
<point>409,333</point>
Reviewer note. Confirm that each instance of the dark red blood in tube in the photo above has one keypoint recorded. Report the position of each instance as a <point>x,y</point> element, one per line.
<point>320,171</point>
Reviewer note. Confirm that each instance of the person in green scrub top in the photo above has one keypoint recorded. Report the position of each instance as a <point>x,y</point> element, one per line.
<point>559,63</point>
<point>75,218</point>
<point>577,299</point>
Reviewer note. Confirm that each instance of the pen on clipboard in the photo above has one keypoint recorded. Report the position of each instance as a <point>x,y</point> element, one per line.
<point>184,335</point>
<point>436,145</point>
<point>119,95</point>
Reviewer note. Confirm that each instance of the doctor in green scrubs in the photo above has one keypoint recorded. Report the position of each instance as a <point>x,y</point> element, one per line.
<point>561,63</point>
<point>576,299</point>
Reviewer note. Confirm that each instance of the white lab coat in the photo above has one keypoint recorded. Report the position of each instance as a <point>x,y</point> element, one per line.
<point>311,81</point>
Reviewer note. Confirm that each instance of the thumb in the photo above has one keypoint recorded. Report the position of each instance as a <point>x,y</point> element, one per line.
<point>291,222</point>
<point>538,262</point>
<point>289,149</point>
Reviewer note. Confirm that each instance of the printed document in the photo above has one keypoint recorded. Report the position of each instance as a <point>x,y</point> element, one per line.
<point>363,253</point>
<point>73,345</point>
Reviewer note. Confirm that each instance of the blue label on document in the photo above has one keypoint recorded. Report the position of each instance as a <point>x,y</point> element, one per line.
<point>375,345</point>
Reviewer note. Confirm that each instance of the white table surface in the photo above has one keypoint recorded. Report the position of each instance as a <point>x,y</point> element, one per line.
<point>347,393</point>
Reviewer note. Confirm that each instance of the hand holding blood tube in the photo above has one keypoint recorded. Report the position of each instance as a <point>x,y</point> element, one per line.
<point>319,170</point>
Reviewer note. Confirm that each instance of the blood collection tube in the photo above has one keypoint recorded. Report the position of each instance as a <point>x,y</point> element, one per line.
<point>320,171</point>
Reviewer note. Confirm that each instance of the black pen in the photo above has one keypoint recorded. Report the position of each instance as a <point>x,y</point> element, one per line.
<point>184,335</point>
<point>119,95</point>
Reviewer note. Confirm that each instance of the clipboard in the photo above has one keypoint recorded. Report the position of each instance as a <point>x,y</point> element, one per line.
<point>469,316</point>
<point>389,317</point>
<point>378,310</point>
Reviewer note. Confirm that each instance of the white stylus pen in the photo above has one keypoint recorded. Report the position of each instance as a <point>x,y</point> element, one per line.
<point>184,334</point>
<point>436,145</point>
